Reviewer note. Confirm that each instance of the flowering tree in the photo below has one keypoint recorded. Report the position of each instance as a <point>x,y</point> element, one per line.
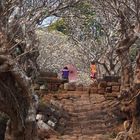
<point>94,39</point>
<point>18,54</point>
<point>113,32</point>
<point>126,16</point>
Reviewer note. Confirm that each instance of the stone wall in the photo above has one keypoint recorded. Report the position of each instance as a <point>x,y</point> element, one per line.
<point>109,85</point>
<point>105,86</point>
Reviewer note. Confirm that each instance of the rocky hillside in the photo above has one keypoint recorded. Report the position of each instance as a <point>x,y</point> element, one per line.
<point>56,51</point>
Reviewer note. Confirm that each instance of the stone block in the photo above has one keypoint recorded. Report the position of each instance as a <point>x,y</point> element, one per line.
<point>86,89</point>
<point>102,84</point>
<point>95,84</point>
<point>111,78</point>
<point>61,87</point>
<point>113,84</point>
<point>101,91</point>
<point>113,94</point>
<point>101,137</point>
<point>48,74</point>
<point>56,103</point>
<point>108,89</point>
<point>69,108</point>
<point>65,86</point>
<point>93,90</point>
<point>137,85</point>
<point>115,88</point>
<point>36,86</point>
<point>71,87</point>
<point>84,107</point>
<point>87,131</point>
<point>79,87</point>
<point>77,130</point>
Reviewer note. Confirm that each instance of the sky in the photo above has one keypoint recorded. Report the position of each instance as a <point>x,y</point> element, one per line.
<point>46,22</point>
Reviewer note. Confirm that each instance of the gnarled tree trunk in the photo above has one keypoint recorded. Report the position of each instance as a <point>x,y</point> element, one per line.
<point>136,104</point>
<point>15,94</point>
<point>130,86</point>
<point>126,66</point>
<point>16,102</point>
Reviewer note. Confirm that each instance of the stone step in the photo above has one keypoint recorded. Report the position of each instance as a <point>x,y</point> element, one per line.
<point>89,114</point>
<point>81,137</point>
<point>86,131</point>
<point>76,93</point>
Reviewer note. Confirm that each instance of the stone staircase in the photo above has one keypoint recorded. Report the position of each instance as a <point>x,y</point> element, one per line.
<point>89,115</point>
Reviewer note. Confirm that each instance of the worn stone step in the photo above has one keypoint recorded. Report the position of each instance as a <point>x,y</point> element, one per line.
<point>81,137</point>
<point>88,114</point>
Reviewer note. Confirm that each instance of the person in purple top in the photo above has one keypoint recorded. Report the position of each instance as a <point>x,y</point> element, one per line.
<point>65,74</point>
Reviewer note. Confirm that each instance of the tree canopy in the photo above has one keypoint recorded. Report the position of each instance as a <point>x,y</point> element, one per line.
<point>106,31</point>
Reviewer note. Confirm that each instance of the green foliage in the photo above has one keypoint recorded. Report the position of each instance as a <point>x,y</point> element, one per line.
<point>86,12</point>
<point>3,118</point>
<point>90,24</point>
<point>59,25</point>
<point>133,53</point>
<point>42,102</point>
<point>85,9</point>
<point>113,135</point>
